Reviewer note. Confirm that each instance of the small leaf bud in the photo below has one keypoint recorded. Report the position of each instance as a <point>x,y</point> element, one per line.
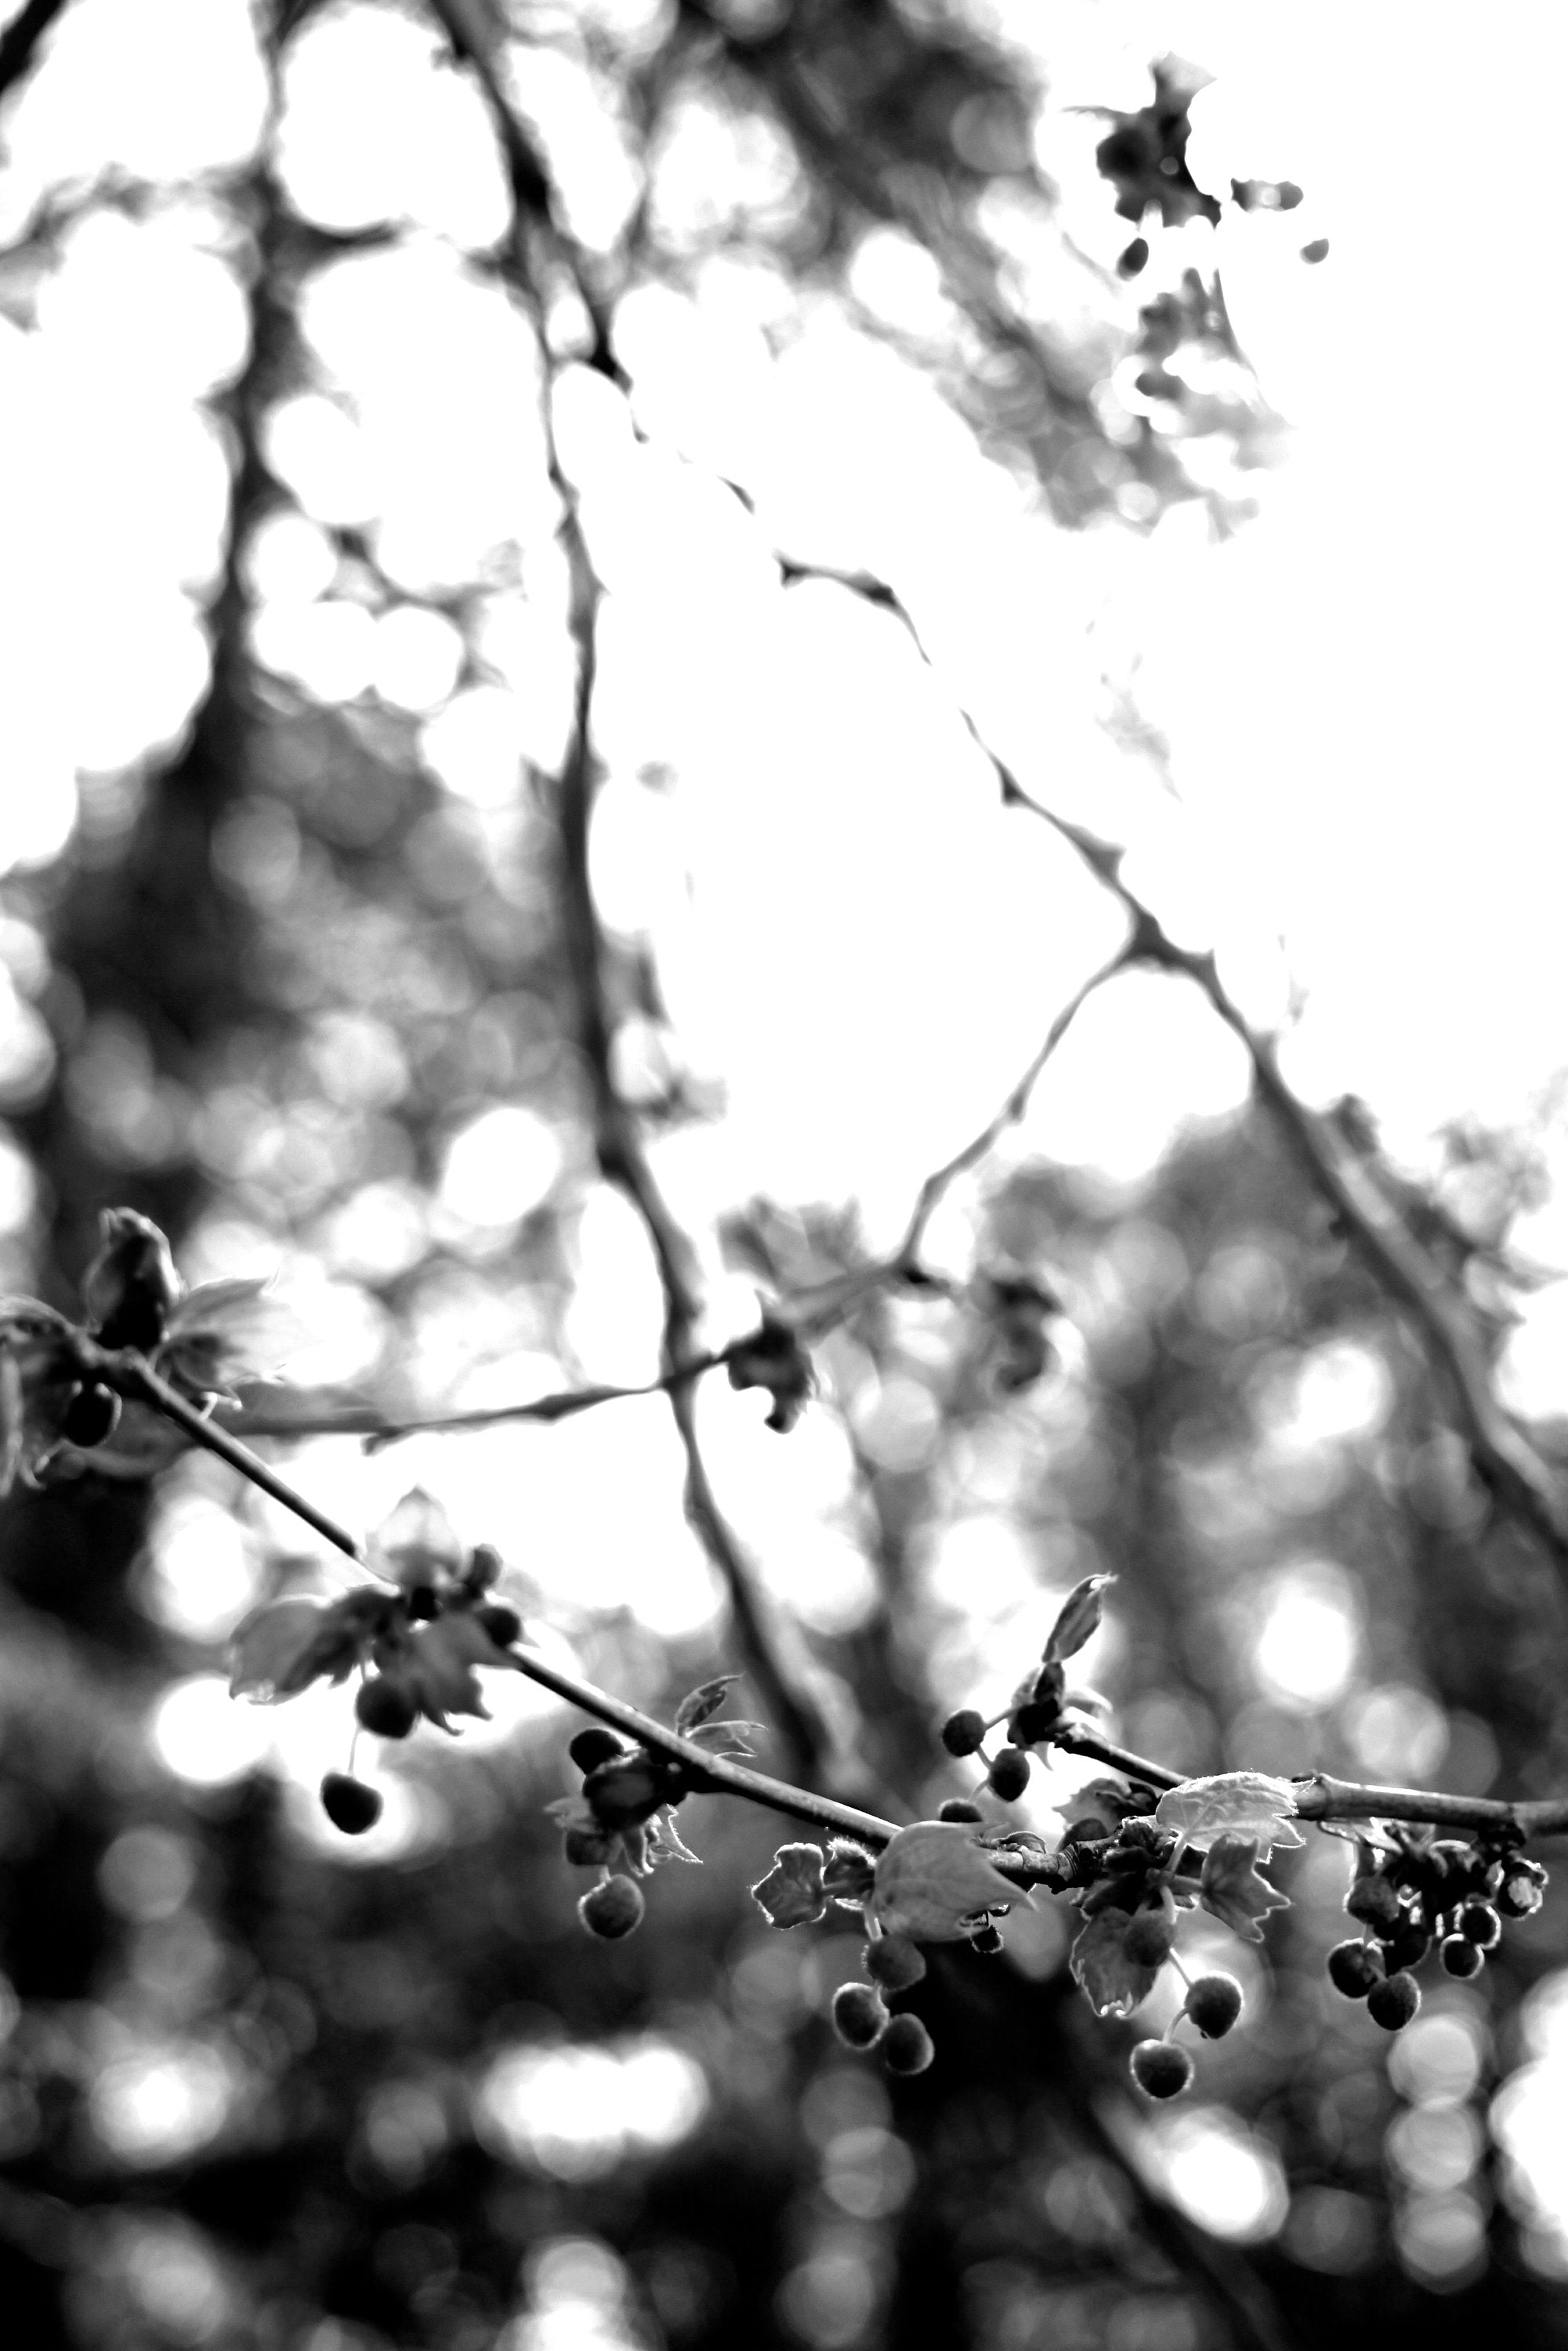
<point>907,2046</point>
<point>612,1907</point>
<point>349,1804</point>
<point>1394,2002</point>
<point>1160,2069</point>
<point>859,2020</point>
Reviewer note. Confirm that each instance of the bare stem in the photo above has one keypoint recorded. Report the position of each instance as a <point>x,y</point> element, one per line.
<point>377,1431</point>
<point>131,1374</point>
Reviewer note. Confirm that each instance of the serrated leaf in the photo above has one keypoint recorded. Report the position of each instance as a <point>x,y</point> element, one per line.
<point>724,1738</point>
<point>1235,1891</point>
<point>437,1664</point>
<point>1079,1618</point>
<point>700,1704</point>
<point>933,1878</point>
<point>792,1893</point>
<point>666,1844</point>
<point>1112,1982</point>
<point>1233,1804</point>
<point>283,1647</point>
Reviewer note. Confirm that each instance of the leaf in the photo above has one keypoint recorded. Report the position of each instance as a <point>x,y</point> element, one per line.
<point>1235,1803</point>
<point>437,1664</point>
<point>933,1878</point>
<point>284,1646</point>
<point>418,1541</point>
<point>696,1707</point>
<point>1079,1618</point>
<point>1235,1890</point>
<point>792,1893</point>
<point>1112,1983</point>
<point>666,1844</point>
<point>226,1331</point>
<point>724,1738</point>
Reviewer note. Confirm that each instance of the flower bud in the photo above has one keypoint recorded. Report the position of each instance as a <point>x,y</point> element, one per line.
<point>612,1907</point>
<point>349,1804</point>
<point>907,2046</point>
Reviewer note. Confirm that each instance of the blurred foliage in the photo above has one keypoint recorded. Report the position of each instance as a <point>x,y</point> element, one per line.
<point>255,2094</point>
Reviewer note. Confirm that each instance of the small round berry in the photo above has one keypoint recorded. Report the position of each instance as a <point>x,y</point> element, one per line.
<point>1373,1900</point>
<point>423,1603</point>
<point>963,1732</point>
<point>1479,1925</point>
<point>1462,1958</point>
<point>1133,257</point>
<point>1517,1897</point>
<point>1160,2069</point>
<point>1090,1830</point>
<point>349,1804</point>
<point>503,1624</point>
<point>907,2046</point>
<point>986,1940</point>
<point>385,1707</point>
<point>1407,1946</point>
<point>1009,1775</point>
<point>894,1963</point>
<point>1394,2002</point>
<point>958,1808</point>
<point>612,1907</point>
<point>587,1848</point>
<point>1354,1968</point>
<point>91,1416</point>
<point>1150,1935</point>
<point>1214,2003</point>
<point>595,1746</point>
<point>859,2020</point>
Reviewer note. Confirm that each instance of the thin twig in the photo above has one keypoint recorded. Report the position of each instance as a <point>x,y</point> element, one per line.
<point>20,40</point>
<point>132,1375</point>
<point>376,1431</point>
<point>715,1775</point>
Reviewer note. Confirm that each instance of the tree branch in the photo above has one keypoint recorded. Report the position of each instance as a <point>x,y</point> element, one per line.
<point>20,41</point>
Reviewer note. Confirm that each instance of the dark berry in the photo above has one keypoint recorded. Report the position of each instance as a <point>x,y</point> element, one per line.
<point>893,1962</point>
<point>503,1624</point>
<point>349,1804</point>
<point>385,1707</point>
<point>907,2046</point>
<point>91,1415</point>
<point>1133,257</point>
<point>1394,2002</point>
<point>988,1941</point>
<point>612,1907</point>
<point>595,1746</point>
<point>1090,1830</point>
<point>1407,1946</point>
<point>859,2020</point>
<point>587,1848</point>
<point>1009,1775</point>
<point>1480,1925</point>
<point>1160,2069</point>
<point>958,1808</point>
<point>1150,1934</point>
<point>1373,1900</point>
<point>422,1604</point>
<point>1214,2003</point>
<point>1354,1968</point>
<point>1318,250</point>
<point>963,1732</point>
<point>1462,1958</point>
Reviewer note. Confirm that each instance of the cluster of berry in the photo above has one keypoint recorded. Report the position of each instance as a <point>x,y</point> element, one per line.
<point>1163,2069</point>
<point>861,2018</point>
<point>1007,1773</point>
<point>1428,1890</point>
